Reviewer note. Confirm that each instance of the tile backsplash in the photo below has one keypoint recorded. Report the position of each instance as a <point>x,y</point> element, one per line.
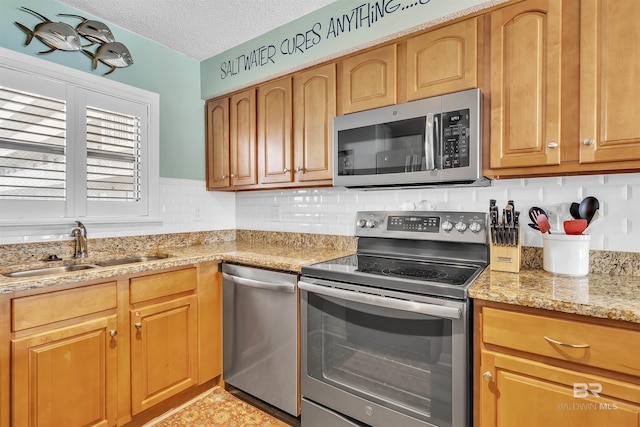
<point>185,206</point>
<point>332,210</point>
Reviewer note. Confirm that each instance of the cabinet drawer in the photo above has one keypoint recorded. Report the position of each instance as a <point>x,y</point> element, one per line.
<point>584,343</point>
<point>162,284</point>
<point>37,310</point>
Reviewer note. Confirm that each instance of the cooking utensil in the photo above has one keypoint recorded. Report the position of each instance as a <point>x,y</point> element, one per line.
<point>534,212</point>
<point>594,220</point>
<point>574,226</point>
<point>543,223</point>
<point>588,206</point>
<point>534,226</point>
<point>574,210</point>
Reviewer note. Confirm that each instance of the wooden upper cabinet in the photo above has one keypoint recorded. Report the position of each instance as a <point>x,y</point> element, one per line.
<point>217,148</point>
<point>274,132</point>
<point>443,60</point>
<point>314,107</point>
<point>368,80</point>
<point>609,81</point>
<point>242,134</point>
<point>525,84</point>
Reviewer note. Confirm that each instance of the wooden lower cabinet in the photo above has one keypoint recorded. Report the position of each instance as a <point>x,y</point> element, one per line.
<point>164,352</point>
<point>519,392</point>
<point>538,368</point>
<point>107,354</point>
<point>66,376</point>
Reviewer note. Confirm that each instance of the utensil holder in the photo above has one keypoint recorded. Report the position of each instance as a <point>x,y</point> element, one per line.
<point>506,258</point>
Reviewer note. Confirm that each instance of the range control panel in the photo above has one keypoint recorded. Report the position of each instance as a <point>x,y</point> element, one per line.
<point>424,225</point>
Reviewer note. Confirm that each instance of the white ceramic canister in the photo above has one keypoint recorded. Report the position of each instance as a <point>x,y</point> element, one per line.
<point>566,254</point>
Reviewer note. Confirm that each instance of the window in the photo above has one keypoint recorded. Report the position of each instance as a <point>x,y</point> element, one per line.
<point>74,145</point>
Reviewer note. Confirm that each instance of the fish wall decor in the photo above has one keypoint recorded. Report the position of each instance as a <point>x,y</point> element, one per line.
<point>56,35</point>
<point>64,37</point>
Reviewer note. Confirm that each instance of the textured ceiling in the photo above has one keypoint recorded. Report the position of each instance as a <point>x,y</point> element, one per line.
<point>198,28</point>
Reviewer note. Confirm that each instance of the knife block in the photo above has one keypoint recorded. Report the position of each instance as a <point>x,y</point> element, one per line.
<point>506,258</point>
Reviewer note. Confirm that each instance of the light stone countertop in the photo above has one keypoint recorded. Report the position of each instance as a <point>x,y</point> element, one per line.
<point>595,295</point>
<point>259,254</point>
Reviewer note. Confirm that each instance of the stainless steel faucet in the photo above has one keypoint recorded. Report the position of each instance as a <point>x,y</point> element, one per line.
<point>80,234</point>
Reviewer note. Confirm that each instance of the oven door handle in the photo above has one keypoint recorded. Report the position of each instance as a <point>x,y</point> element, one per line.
<point>243,281</point>
<point>386,302</point>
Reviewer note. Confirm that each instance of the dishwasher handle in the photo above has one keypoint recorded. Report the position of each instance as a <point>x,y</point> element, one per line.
<point>270,286</point>
<point>386,302</point>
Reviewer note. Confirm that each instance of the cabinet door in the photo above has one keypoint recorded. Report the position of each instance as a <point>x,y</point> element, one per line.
<point>314,107</point>
<point>443,60</point>
<point>525,84</point>
<point>164,354</point>
<point>609,81</point>
<point>242,134</point>
<point>520,392</point>
<point>66,377</point>
<point>274,132</point>
<point>368,80</point>
<point>217,148</point>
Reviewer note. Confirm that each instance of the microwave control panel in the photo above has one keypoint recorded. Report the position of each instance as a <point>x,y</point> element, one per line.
<point>455,139</point>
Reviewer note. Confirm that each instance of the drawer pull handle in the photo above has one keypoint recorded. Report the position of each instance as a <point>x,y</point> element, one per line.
<point>138,325</point>
<point>564,344</point>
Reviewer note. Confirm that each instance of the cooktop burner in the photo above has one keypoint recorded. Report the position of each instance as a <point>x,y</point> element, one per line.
<point>455,275</point>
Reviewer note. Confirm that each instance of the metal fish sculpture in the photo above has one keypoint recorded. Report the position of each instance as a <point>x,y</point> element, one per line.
<point>94,31</point>
<point>56,35</point>
<point>114,54</point>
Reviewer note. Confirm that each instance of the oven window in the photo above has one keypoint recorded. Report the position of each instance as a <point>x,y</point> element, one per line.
<point>394,358</point>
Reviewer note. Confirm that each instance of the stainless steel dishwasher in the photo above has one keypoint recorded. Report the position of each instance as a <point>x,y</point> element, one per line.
<point>260,334</point>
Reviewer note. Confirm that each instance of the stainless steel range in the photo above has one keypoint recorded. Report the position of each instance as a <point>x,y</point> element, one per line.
<point>385,332</point>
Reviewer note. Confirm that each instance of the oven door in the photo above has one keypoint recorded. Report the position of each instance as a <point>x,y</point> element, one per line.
<point>380,358</point>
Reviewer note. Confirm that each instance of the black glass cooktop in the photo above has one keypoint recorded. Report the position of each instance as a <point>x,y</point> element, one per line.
<point>415,276</point>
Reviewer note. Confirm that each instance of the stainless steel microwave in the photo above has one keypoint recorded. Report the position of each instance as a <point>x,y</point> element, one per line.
<point>427,142</point>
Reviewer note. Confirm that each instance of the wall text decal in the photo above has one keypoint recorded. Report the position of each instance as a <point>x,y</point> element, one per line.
<point>363,16</point>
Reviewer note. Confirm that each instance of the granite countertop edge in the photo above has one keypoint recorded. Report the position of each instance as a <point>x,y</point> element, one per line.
<point>600,296</point>
<point>593,295</point>
<point>271,256</point>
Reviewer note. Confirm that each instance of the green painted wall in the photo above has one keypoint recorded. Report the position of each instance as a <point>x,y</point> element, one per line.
<point>156,68</point>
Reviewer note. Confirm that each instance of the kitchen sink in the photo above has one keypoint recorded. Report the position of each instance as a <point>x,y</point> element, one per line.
<point>130,260</point>
<point>49,270</point>
<point>77,267</point>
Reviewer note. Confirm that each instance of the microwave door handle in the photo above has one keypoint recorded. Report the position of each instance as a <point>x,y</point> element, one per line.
<point>429,155</point>
<point>397,304</point>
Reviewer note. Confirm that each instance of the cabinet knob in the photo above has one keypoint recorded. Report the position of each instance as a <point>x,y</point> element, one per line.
<point>138,325</point>
<point>233,175</point>
<point>285,170</point>
<point>113,332</point>
<point>223,177</point>
<point>589,141</point>
<point>299,169</point>
<point>487,376</point>
<point>552,144</point>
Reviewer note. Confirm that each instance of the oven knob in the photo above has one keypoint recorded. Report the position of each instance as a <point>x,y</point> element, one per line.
<point>361,223</point>
<point>475,227</point>
<point>461,226</point>
<point>371,223</point>
<point>446,225</point>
